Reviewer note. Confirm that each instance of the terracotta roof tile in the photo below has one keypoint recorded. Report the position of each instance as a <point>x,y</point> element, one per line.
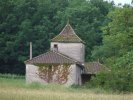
<point>51,57</point>
<point>67,35</point>
<point>94,67</point>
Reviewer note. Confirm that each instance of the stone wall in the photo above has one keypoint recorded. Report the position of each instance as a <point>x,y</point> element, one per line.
<point>73,50</point>
<point>32,75</point>
<point>75,75</point>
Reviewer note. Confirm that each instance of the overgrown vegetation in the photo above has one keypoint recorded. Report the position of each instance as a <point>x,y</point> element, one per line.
<point>54,73</point>
<point>116,52</point>
<point>17,89</point>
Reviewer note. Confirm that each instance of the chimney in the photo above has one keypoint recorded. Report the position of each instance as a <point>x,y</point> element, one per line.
<point>30,50</point>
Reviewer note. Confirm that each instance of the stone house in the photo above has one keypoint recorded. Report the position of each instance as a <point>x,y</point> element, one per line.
<point>63,64</point>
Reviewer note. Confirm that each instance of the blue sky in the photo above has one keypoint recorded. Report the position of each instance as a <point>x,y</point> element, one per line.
<point>121,1</point>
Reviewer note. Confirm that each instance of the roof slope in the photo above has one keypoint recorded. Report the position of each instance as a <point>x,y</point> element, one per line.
<point>67,35</point>
<point>51,57</point>
<point>94,67</point>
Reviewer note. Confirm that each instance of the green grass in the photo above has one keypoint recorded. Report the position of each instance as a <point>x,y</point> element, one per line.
<point>15,88</point>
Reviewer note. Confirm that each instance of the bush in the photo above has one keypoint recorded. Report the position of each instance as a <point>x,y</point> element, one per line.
<point>120,78</point>
<point>121,81</point>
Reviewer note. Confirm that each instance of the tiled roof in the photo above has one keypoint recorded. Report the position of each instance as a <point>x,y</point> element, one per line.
<point>67,35</point>
<point>51,57</point>
<point>94,67</point>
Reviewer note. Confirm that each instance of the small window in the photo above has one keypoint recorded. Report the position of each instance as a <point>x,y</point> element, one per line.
<point>55,47</point>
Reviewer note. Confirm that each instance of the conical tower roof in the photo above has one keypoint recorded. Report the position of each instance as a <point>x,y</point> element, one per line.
<point>67,35</point>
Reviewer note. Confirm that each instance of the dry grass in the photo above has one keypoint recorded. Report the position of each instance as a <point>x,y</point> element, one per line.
<point>16,89</point>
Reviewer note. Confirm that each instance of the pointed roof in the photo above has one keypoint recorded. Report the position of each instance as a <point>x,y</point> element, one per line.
<point>67,35</point>
<point>51,57</point>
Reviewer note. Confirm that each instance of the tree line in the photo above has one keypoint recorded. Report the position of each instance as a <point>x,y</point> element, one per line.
<point>106,29</point>
<point>22,21</point>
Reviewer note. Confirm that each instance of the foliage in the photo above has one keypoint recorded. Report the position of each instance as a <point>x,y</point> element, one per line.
<point>117,38</point>
<point>22,21</point>
<point>87,17</point>
<point>54,73</point>
<point>115,80</point>
<point>37,21</point>
<point>116,52</point>
<point>13,76</point>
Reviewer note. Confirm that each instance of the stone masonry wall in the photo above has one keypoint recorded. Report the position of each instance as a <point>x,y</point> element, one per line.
<point>73,50</point>
<point>32,75</point>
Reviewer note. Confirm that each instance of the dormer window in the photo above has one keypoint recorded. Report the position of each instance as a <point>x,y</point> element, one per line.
<point>55,47</point>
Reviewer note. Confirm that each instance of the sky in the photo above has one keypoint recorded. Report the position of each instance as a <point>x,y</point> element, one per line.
<point>121,1</point>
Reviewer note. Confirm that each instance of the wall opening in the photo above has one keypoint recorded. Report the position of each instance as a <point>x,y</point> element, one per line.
<point>86,77</point>
<point>55,47</point>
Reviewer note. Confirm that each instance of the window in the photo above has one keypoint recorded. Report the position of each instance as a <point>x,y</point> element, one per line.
<point>55,47</point>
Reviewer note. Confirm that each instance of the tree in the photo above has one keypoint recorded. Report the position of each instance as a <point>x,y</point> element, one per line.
<point>38,21</point>
<point>117,38</point>
<point>86,17</point>
<point>116,51</point>
<point>22,21</point>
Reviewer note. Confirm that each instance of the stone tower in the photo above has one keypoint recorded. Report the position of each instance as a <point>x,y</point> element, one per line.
<point>69,44</point>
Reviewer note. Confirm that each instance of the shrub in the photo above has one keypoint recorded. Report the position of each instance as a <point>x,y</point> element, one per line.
<point>121,80</point>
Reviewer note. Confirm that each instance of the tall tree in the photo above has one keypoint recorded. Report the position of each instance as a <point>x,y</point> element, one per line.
<point>22,21</point>
<point>117,51</point>
<point>117,38</point>
<point>87,17</point>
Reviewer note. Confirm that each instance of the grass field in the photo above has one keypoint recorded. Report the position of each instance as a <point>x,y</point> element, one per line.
<point>15,88</point>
